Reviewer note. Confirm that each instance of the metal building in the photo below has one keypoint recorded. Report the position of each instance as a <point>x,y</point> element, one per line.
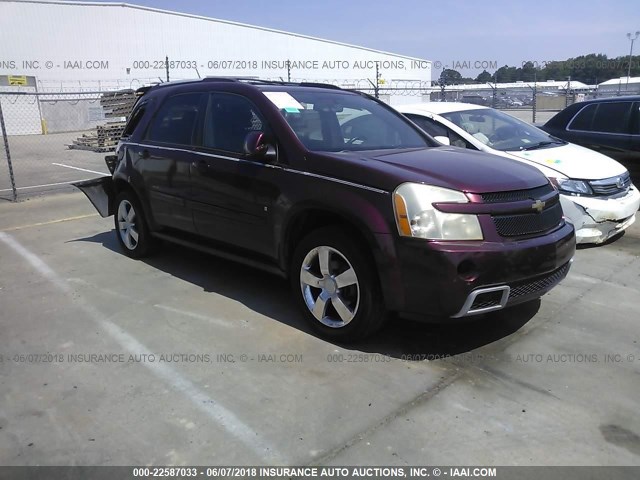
<point>98,46</point>
<point>620,86</point>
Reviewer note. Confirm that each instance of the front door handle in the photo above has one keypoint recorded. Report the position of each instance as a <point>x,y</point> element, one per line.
<point>144,154</point>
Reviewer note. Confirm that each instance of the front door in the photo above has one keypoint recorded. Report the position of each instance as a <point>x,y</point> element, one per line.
<point>232,193</point>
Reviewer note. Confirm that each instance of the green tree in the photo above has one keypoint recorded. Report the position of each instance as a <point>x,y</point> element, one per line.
<point>528,72</point>
<point>450,77</point>
<point>484,77</point>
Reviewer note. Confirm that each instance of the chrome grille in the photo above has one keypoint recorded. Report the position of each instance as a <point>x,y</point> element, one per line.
<point>611,186</point>
<point>528,223</point>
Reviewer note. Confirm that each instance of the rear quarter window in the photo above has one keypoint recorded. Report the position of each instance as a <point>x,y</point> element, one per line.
<point>134,119</point>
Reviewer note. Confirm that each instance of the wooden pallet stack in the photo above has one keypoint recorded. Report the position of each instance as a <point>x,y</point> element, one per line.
<point>104,138</point>
<point>118,104</point>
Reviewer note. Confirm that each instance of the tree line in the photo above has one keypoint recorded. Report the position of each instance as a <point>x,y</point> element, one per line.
<point>591,69</point>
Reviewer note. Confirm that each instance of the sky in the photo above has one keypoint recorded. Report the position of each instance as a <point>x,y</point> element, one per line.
<point>449,34</point>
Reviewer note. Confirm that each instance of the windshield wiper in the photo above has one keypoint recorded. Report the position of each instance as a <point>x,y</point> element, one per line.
<point>541,144</point>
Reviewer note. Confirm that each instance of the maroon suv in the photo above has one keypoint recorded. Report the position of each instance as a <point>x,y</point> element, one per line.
<point>361,210</point>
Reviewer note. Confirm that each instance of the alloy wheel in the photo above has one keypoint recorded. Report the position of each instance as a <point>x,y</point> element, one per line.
<point>127,227</point>
<point>329,286</point>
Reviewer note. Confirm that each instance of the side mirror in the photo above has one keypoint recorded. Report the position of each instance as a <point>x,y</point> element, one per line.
<point>443,140</point>
<point>256,146</point>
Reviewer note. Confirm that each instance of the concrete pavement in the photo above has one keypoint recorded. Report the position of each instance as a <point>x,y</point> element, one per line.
<point>187,359</point>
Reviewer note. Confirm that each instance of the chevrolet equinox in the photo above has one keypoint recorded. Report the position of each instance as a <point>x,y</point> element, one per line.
<point>364,212</point>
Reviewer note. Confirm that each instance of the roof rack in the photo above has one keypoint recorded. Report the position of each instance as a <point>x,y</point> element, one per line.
<point>248,80</point>
<point>228,79</point>
<point>319,85</point>
<point>259,81</point>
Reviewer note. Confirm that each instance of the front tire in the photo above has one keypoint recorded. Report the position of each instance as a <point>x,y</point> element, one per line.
<point>131,226</point>
<point>336,286</point>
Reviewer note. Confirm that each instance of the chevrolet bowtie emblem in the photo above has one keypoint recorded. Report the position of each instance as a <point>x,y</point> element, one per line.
<point>538,205</point>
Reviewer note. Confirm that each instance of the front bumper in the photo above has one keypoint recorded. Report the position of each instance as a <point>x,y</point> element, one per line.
<point>598,219</point>
<point>439,278</point>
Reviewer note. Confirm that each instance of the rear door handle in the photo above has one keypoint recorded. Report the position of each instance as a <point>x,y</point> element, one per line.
<point>145,154</point>
<point>201,166</point>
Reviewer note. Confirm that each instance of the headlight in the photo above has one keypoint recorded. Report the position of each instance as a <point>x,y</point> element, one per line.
<point>417,217</point>
<point>575,187</point>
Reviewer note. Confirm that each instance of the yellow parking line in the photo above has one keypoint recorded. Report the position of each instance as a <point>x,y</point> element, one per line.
<point>39,224</point>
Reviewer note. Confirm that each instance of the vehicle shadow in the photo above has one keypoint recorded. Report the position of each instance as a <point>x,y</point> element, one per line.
<point>269,295</point>
<point>588,246</point>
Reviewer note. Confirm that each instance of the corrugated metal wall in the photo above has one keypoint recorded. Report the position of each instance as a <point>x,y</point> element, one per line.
<point>127,44</point>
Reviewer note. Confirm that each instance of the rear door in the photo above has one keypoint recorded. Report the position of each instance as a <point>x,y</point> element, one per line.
<point>165,156</point>
<point>232,193</point>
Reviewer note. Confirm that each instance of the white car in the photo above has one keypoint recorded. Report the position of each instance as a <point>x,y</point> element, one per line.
<point>596,192</point>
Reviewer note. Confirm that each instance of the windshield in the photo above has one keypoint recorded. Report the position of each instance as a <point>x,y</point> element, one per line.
<point>501,131</point>
<point>337,122</point>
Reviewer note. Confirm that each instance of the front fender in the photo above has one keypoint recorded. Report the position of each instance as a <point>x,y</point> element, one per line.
<point>100,192</point>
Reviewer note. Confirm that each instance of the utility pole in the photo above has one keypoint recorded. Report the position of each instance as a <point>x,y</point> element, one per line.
<point>494,101</point>
<point>166,64</point>
<point>633,39</point>
<point>534,100</point>
<point>7,152</point>
<point>375,85</point>
<point>288,71</point>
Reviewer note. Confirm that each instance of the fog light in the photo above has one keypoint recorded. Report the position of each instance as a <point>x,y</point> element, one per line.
<point>467,270</point>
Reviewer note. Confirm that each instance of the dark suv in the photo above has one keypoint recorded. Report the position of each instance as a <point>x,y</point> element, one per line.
<point>608,125</point>
<point>361,210</point>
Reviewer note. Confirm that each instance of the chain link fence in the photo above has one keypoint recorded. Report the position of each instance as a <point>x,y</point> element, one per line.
<point>7,181</point>
<point>532,102</point>
<point>49,139</point>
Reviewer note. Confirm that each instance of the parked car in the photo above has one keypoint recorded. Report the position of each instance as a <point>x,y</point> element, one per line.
<point>358,207</point>
<point>475,99</point>
<point>610,126</point>
<point>596,192</point>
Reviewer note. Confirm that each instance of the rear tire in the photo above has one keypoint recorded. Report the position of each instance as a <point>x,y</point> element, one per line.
<point>336,286</point>
<point>131,226</point>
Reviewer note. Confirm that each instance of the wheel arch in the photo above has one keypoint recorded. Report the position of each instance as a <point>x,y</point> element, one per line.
<point>308,218</point>
<point>122,183</point>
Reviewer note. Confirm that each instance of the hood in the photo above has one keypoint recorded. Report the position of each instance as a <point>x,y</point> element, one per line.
<point>573,161</point>
<point>448,167</point>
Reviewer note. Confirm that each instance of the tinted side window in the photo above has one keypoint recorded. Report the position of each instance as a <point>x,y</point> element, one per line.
<point>134,119</point>
<point>612,118</point>
<point>228,119</point>
<point>176,119</point>
<point>435,129</point>
<point>431,127</point>
<point>635,119</point>
<point>583,120</point>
